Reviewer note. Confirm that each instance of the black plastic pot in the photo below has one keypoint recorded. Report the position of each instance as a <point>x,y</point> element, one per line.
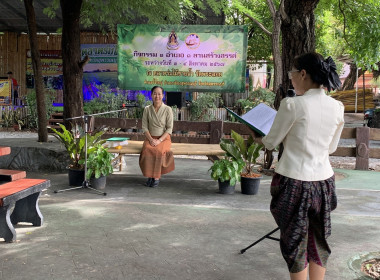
<point>250,185</point>
<point>76,177</point>
<point>98,183</point>
<point>226,188</point>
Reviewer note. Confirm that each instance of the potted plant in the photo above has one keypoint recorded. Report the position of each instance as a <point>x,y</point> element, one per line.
<point>74,142</point>
<point>227,172</point>
<point>98,166</point>
<point>248,151</point>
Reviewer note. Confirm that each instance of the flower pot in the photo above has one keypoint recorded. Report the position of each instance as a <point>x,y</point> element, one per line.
<point>98,183</point>
<point>250,185</point>
<point>226,188</point>
<point>76,177</point>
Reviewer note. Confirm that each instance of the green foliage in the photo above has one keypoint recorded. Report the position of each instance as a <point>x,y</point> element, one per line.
<point>227,170</point>
<point>105,102</point>
<point>354,27</point>
<point>18,118</point>
<point>259,43</point>
<point>31,102</point>
<point>7,118</point>
<point>260,95</point>
<point>98,162</point>
<point>74,142</point>
<point>198,108</point>
<point>107,14</point>
<point>141,104</point>
<point>239,149</point>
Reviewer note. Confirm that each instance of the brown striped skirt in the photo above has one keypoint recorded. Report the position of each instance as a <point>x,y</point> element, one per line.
<point>156,161</point>
<point>302,212</point>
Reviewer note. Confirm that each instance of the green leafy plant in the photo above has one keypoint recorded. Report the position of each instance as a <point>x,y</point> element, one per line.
<point>199,107</point>
<point>98,162</point>
<point>74,142</point>
<point>260,95</point>
<point>227,170</point>
<point>7,118</point>
<point>18,118</point>
<point>240,149</point>
<point>31,102</point>
<point>106,100</point>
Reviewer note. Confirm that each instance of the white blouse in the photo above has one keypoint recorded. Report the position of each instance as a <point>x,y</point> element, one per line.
<point>309,127</point>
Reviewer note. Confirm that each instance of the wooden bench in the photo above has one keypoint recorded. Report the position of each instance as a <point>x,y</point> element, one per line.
<point>23,194</point>
<point>212,151</point>
<point>11,175</point>
<point>5,151</point>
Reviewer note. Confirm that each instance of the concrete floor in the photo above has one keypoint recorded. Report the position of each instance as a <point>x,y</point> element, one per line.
<point>182,230</point>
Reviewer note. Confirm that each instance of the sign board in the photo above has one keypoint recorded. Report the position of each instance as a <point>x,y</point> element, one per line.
<point>102,66</point>
<point>5,92</point>
<point>182,57</point>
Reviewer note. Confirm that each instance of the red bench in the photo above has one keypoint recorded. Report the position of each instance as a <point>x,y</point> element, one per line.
<point>11,175</point>
<point>24,195</point>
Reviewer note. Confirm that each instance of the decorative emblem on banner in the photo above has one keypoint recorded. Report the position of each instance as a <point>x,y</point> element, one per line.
<point>192,41</point>
<point>172,41</point>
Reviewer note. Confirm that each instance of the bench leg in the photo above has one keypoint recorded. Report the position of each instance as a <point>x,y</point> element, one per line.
<point>27,210</point>
<point>7,231</point>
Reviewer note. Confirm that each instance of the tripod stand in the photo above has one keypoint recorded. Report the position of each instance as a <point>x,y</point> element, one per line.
<point>268,235</point>
<point>86,183</point>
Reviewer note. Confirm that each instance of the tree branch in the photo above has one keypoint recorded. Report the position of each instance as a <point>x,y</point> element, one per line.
<point>284,15</point>
<point>84,61</point>
<point>344,24</point>
<point>259,24</point>
<point>272,8</point>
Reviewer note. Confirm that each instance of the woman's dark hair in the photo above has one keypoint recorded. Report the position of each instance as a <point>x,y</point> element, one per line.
<point>153,88</point>
<point>322,71</point>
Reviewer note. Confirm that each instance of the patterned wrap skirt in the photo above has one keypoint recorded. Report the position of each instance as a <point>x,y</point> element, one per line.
<point>155,161</point>
<point>302,212</point>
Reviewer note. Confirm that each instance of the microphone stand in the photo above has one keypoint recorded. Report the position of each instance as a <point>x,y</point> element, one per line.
<point>86,183</point>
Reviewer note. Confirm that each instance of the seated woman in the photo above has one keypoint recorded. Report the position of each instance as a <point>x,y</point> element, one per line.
<point>157,123</point>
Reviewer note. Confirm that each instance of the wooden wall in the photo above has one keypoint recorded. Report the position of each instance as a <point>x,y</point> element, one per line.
<point>13,47</point>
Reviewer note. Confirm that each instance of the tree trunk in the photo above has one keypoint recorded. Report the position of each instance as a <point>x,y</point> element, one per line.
<point>277,75</point>
<point>349,82</point>
<point>298,35</point>
<point>37,71</point>
<point>71,59</point>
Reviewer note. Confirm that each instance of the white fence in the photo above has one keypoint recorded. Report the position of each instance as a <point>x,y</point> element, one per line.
<point>184,114</point>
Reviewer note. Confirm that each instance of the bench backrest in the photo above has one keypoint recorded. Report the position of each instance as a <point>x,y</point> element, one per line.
<point>197,132</point>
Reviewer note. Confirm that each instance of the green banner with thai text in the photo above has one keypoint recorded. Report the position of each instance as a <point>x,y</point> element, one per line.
<point>182,57</point>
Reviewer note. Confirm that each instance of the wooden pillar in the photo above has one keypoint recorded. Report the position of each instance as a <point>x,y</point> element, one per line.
<point>362,148</point>
<point>216,129</point>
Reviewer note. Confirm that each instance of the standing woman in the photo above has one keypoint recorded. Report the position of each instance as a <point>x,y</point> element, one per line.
<point>303,187</point>
<point>157,123</point>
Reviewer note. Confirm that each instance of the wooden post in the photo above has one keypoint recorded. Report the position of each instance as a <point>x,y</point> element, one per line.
<point>362,150</point>
<point>216,128</point>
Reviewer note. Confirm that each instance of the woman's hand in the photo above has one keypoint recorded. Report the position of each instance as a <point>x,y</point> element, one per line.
<point>155,142</point>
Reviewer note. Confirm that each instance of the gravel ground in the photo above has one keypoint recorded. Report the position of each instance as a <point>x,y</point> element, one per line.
<point>336,162</point>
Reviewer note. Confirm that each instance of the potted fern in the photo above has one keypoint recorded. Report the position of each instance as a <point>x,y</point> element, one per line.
<point>248,151</point>
<point>227,172</point>
<point>99,166</point>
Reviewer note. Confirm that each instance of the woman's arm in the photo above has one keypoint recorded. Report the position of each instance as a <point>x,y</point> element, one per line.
<point>283,121</point>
